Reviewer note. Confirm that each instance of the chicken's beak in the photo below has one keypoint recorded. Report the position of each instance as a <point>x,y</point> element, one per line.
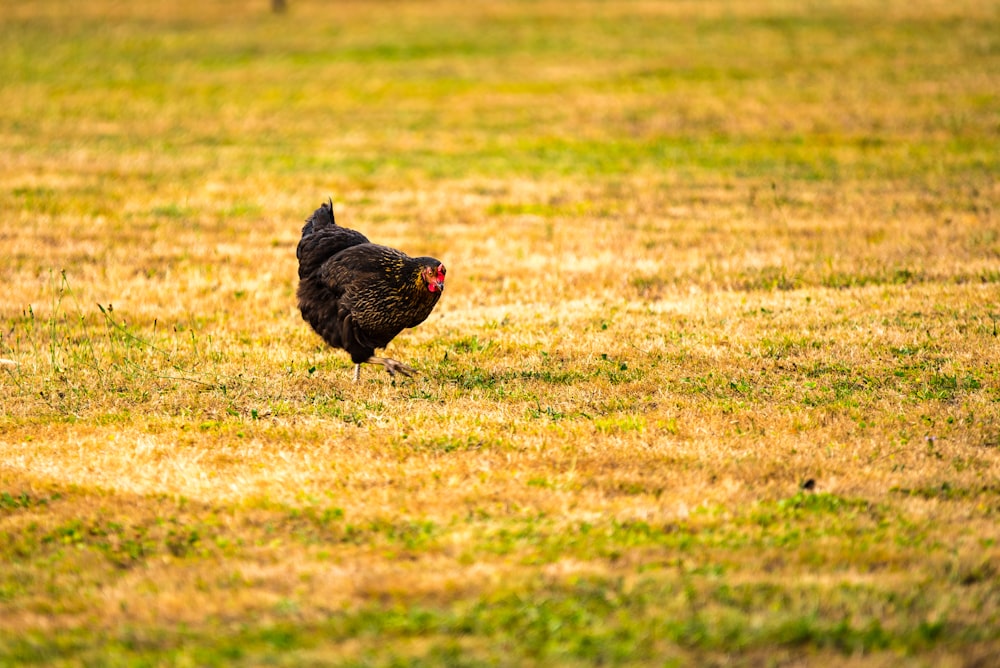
<point>439,286</point>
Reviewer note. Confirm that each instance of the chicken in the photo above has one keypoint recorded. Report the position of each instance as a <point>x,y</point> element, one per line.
<point>358,295</point>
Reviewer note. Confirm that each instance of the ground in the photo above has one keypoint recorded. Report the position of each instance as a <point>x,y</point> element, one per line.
<point>714,380</point>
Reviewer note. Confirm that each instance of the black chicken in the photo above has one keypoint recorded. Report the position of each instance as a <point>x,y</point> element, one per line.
<point>358,295</point>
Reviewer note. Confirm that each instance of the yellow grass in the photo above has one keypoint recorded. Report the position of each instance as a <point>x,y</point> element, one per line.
<point>631,374</point>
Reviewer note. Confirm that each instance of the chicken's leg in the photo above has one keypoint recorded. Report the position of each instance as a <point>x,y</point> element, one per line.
<point>391,365</point>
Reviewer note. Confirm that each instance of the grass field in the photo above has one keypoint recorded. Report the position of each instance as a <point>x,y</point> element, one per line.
<point>716,379</point>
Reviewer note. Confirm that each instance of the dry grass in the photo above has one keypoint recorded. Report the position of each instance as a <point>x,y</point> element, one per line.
<point>682,283</point>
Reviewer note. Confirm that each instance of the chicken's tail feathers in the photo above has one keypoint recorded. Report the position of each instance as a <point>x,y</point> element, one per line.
<point>322,238</point>
<point>321,218</point>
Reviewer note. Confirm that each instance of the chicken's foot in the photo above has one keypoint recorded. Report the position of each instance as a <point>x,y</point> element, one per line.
<point>391,365</point>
